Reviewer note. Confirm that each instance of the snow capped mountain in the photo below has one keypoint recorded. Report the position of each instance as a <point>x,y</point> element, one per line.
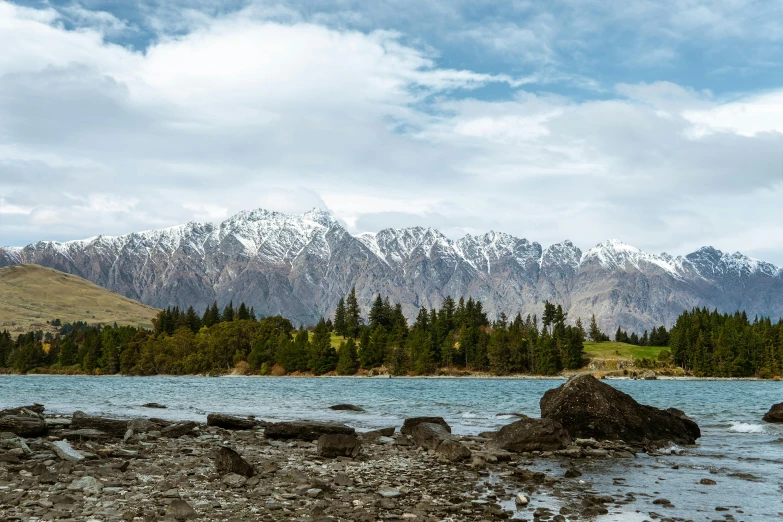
<point>300,265</point>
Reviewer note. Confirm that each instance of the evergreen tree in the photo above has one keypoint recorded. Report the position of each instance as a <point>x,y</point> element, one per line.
<point>323,357</point>
<point>243,314</point>
<point>352,315</point>
<point>228,313</point>
<point>595,332</point>
<point>339,318</point>
<point>347,361</point>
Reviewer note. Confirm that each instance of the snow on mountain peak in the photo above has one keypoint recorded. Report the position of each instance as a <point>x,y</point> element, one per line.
<point>614,254</point>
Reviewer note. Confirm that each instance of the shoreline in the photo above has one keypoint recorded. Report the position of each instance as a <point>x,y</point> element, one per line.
<point>400,377</point>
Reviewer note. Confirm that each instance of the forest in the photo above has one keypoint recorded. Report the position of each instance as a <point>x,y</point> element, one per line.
<point>457,337</point>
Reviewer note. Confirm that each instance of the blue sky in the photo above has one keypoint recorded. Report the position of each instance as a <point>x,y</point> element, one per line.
<point>658,122</point>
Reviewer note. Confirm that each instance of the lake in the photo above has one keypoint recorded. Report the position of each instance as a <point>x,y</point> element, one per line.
<point>740,452</point>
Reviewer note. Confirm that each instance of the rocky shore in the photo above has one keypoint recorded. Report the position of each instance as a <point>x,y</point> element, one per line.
<point>87,468</point>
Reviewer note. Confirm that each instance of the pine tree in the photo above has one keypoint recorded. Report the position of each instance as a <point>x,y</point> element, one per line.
<point>323,357</point>
<point>339,318</point>
<point>228,313</point>
<point>348,360</point>
<point>243,314</point>
<point>595,332</point>
<point>352,315</point>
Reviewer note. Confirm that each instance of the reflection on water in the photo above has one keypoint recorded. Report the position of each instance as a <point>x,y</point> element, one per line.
<point>740,452</point>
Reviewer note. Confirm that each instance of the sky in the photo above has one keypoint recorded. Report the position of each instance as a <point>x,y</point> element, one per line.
<point>659,123</point>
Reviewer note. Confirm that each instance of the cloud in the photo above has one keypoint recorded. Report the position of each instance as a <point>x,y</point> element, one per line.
<point>268,107</point>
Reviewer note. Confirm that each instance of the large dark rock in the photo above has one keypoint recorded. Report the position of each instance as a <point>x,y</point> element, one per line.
<point>229,422</point>
<point>531,435</point>
<point>229,461</point>
<point>112,427</point>
<point>775,413</point>
<point>23,425</point>
<point>587,407</point>
<point>305,430</point>
<point>412,422</point>
<point>332,445</point>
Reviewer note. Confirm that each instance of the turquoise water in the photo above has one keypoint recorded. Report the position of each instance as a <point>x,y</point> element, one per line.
<point>740,452</point>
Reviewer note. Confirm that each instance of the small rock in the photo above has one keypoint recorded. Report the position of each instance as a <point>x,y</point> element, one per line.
<point>389,493</point>
<point>154,405</point>
<point>181,510</point>
<point>233,480</point>
<point>707,482</point>
<point>521,500</point>
<point>87,484</point>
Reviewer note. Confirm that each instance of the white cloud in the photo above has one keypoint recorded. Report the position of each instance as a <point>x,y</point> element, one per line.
<point>242,112</point>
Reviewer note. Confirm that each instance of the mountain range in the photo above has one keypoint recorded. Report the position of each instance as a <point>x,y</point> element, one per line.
<point>300,265</point>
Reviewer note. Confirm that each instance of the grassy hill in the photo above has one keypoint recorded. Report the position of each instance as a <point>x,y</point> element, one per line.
<point>31,295</point>
<point>620,351</point>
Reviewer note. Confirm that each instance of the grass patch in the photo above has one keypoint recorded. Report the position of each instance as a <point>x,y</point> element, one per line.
<point>31,295</point>
<point>615,350</point>
<point>336,340</point>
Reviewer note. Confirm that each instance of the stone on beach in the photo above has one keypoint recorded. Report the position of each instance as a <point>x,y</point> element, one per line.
<point>230,422</point>
<point>436,436</point>
<point>527,435</point>
<point>87,484</point>
<point>411,422</point>
<point>179,429</point>
<point>112,427</point>
<point>65,451</point>
<point>181,510</point>
<point>23,425</point>
<point>229,461</point>
<point>305,430</point>
<point>586,408</point>
<point>332,445</point>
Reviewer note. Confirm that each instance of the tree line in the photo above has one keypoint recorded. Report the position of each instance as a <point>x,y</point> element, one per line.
<point>708,343</point>
<point>456,337</point>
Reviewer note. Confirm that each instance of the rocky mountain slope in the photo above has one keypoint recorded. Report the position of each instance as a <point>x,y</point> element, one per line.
<point>300,265</point>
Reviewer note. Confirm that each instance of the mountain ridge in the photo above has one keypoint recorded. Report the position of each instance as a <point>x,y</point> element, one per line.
<point>299,265</point>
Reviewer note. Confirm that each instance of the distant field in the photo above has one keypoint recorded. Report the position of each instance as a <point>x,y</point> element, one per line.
<point>31,295</point>
<point>615,350</point>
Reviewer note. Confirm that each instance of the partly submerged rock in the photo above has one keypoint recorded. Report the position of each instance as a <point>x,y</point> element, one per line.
<point>531,435</point>
<point>305,430</point>
<point>154,405</point>
<point>346,407</point>
<point>775,413</point>
<point>331,445</point>
<point>587,408</point>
